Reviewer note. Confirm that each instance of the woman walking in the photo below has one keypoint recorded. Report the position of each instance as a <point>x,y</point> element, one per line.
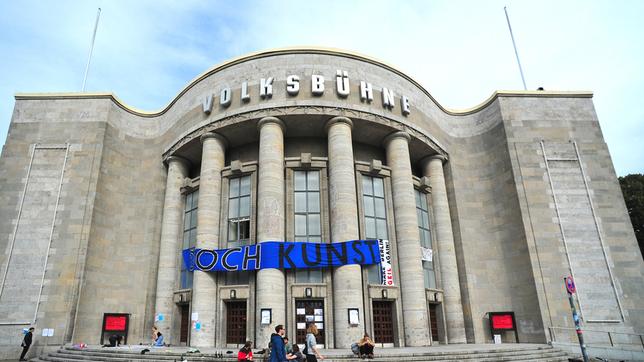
<point>310,349</point>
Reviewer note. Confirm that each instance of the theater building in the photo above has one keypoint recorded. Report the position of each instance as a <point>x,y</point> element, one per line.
<point>484,210</point>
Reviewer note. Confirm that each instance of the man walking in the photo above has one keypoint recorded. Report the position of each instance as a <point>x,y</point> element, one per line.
<point>26,342</point>
<point>278,353</point>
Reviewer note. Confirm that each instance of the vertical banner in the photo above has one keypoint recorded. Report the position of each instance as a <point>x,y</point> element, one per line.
<point>386,271</point>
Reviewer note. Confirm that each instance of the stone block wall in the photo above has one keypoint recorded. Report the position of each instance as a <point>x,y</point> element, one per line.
<point>591,213</point>
<point>490,239</point>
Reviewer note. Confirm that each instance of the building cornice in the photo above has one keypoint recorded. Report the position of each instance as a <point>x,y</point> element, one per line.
<point>300,50</point>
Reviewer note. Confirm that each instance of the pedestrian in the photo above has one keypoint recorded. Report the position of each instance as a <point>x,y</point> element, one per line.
<point>157,337</point>
<point>288,346</point>
<point>115,340</point>
<point>310,349</point>
<point>246,352</point>
<point>296,354</point>
<point>365,345</point>
<point>155,333</point>
<point>278,353</point>
<point>26,342</point>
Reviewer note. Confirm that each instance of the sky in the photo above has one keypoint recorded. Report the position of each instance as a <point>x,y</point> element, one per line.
<point>460,51</point>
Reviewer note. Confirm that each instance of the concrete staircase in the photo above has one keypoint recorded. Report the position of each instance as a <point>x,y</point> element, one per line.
<point>451,353</point>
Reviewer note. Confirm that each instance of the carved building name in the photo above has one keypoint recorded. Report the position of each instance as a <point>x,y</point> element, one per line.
<point>342,89</point>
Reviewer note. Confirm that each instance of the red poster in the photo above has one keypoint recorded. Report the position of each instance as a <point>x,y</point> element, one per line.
<point>115,323</point>
<point>502,321</point>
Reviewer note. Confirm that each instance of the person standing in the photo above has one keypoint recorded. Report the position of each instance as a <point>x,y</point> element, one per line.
<point>310,349</point>
<point>278,353</point>
<point>26,342</point>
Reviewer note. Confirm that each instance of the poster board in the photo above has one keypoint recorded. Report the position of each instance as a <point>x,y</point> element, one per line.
<point>115,323</point>
<point>502,322</point>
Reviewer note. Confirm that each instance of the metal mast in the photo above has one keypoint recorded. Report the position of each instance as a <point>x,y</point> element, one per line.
<point>91,49</point>
<point>505,8</point>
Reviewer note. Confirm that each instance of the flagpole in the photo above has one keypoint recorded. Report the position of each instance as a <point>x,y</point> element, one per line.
<point>91,49</point>
<point>505,8</point>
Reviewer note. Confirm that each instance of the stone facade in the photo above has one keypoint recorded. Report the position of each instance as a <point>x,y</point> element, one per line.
<point>521,192</point>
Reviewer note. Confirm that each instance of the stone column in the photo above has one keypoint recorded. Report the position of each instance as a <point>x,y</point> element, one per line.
<point>270,287</point>
<point>204,287</point>
<point>171,231</point>
<point>433,169</point>
<point>343,210</point>
<point>412,284</point>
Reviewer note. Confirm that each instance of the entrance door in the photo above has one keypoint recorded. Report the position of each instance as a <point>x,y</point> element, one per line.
<point>383,321</point>
<point>433,323</point>
<point>236,322</point>
<point>309,311</point>
<point>185,324</point>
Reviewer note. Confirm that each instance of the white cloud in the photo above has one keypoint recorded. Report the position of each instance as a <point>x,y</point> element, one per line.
<point>146,51</point>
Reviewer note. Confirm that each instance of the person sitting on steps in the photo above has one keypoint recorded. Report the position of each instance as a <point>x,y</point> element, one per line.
<point>365,344</point>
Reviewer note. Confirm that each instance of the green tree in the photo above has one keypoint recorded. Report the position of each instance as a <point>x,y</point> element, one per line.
<point>633,190</point>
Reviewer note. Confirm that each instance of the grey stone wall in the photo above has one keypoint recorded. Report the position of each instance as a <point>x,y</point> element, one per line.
<point>509,248</point>
<point>559,122</point>
<point>491,246</point>
<point>69,211</point>
<point>120,272</point>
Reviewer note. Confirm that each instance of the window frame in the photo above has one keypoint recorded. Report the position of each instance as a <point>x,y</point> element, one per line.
<point>186,277</point>
<point>248,169</point>
<point>369,269</point>
<point>427,271</point>
<point>307,276</point>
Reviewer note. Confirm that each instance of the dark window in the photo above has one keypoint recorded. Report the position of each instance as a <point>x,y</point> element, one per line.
<point>238,221</point>
<point>425,236</point>
<point>375,217</point>
<point>307,218</point>
<point>189,234</point>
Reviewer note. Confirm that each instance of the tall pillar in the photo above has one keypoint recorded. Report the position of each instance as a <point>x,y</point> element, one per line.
<point>347,280</point>
<point>433,169</point>
<point>412,284</point>
<point>204,287</point>
<point>171,230</point>
<point>270,288</point>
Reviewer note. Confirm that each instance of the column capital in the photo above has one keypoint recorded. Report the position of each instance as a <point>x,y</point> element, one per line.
<point>173,158</point>
<point>397,134</point>
<point>425,160</point>
<point>267,120</point>
<point>214,135</point>
<point>335,120</point>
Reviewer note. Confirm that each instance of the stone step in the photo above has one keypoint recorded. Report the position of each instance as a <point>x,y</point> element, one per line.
<point>523,354</point>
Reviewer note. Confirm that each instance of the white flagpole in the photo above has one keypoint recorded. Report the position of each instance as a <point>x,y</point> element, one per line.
<point>91,49</point>
<point>505,8</point>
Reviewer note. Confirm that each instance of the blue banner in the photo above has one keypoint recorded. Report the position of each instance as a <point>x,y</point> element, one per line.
<point>284,255</point>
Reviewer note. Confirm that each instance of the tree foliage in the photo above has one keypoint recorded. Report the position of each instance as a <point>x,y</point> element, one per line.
<point>633,190</point>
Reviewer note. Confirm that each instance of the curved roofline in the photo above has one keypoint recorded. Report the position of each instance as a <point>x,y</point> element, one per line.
<point>298,50</point>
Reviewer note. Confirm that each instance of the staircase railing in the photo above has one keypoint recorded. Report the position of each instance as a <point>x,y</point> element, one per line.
<point>598,338</point>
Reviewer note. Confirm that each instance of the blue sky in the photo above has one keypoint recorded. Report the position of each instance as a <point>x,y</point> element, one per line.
<point>147,51</point>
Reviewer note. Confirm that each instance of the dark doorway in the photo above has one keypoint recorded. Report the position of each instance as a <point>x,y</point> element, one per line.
<point>236,322</point>
<point>383,321</point>
<point>185,324</point>
<point>309,311</point>
<point>433,322</point>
